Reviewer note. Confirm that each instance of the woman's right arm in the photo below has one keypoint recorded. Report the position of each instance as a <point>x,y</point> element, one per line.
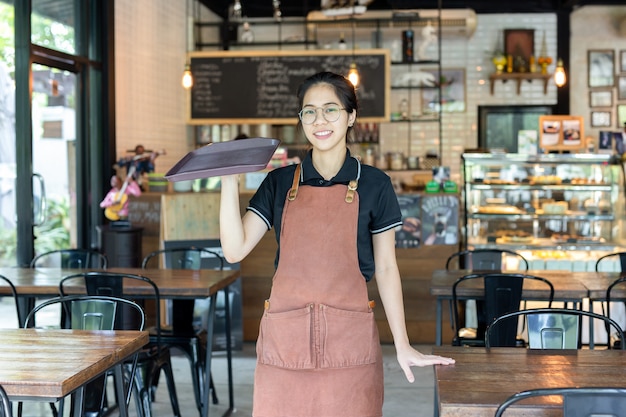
<point>238,235</point>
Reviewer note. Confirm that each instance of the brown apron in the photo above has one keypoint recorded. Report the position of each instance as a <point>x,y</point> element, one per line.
<point>318,352</point>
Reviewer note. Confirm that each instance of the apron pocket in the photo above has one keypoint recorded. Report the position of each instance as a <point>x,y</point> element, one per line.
<point>349,338</point>
<point>285,339</point>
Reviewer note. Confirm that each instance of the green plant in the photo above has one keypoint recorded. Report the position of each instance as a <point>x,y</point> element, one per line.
<point>54,233</point>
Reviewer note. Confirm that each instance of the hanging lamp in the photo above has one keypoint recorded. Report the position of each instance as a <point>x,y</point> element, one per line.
<point>353,74</point>
<point>187,80</point>
<point>559,74</point>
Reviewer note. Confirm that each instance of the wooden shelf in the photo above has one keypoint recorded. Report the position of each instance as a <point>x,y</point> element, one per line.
<point>518,77</point>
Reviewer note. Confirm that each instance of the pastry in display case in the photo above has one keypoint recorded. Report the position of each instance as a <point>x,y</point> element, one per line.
<point>570,204</point>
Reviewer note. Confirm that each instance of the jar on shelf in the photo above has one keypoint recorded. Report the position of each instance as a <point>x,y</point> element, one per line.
<point>396,161</point>
<point>381,161</point>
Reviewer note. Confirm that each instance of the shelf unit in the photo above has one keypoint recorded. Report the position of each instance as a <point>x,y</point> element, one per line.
<point>518,77</point>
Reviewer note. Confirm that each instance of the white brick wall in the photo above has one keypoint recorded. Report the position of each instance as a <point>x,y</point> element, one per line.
<point>150,51</point>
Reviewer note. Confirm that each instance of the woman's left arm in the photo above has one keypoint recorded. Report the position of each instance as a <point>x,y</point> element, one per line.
<point>390,290</point>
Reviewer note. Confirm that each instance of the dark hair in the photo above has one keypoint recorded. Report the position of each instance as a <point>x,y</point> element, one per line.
<point>340,84</point>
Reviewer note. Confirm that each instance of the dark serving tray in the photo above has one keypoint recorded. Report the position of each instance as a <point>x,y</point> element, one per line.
<point>224,158</point>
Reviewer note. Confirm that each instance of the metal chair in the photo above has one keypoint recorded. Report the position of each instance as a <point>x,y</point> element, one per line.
<point>604,262</point>
<point>609,297</point>
<point>554,328</point>
<point>502,293</point>
<point>578,401</point>
<point>18,314</point>
<point>71,258</point>
<point>90,312</point>
<point>487,259</point>
<point>183,335</point>
<point>5,410</point>
<point>154,357</point>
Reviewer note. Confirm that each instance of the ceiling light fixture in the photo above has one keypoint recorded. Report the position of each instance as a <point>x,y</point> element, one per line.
<point>187,80</point>
<point>559,74</point>
<point>353,75</point>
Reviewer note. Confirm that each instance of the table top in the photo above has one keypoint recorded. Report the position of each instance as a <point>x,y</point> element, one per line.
<point>172,283</point>
<point>48,364</point>
<point>481,379</point>
<point>567,285</point>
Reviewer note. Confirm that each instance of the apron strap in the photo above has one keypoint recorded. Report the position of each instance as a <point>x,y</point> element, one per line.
<point>293,191</point>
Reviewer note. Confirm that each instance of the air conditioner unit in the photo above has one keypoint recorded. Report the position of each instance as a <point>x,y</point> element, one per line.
<point>454,22</point>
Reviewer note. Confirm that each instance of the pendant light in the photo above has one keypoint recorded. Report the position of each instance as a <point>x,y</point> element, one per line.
<point>187,80</point>
<point>559,74</point>
<point>353,75</point>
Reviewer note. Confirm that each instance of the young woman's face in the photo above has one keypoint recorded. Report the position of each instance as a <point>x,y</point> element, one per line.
<point>325,135</point>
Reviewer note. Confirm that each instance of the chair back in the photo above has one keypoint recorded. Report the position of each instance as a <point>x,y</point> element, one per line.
<point>553,328</point>
<point>85,312</point>
<point>578,401</point>
<point>18,315</point>
<point>502,294</point>
<point>6,410</point>
<point>71,258</point>
<point>486,260</point>
<point>111,284</point>
<point>181,313</point>
<point>188,257</point>
<point>607,263</point>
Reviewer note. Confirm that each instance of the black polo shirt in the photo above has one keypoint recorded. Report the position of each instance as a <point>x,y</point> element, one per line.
<point>378,205</point>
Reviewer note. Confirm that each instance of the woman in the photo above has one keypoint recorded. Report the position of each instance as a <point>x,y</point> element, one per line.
<point>318,350</point>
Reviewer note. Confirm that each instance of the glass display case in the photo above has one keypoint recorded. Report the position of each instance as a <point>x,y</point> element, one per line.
<point>553,208</point>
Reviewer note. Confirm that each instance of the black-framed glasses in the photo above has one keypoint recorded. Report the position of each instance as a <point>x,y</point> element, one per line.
<point>331,114</point>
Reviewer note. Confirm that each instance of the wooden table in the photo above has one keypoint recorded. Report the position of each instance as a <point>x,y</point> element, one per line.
<point>47,365</point>
<point>598,282</point>
<point>172,284</point>
<point>482,378</point>
<point>568,287</point>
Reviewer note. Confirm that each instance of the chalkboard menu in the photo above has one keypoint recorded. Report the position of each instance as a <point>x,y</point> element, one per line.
<point>260,86</point>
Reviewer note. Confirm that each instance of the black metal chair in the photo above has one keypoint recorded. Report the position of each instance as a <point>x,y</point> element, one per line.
<point>183,335</point>
<point>603,263</point>
<point>502,293</point>
<point>481,260</point>
<point>18,314</point>
<point>486,260</point>
<point>5,408</point>
<point>577,401</point>
<point>71,258</point>
<point>554,328</point>
<point>90,312</point>
<point>610,297</point>
<point>154,357</point>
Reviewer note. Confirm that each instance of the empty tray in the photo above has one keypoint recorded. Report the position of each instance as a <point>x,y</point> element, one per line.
<point>224,158</point>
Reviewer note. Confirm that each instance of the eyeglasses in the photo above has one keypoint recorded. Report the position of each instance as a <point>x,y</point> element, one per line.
<point>330,113</point>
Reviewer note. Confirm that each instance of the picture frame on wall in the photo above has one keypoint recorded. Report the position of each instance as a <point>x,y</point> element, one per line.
<point>622,61</point>
<point>561,133</point>
<point>520,44</point>
<point>600,119</point>
<point>601,67</point>
<point>601,98</point>
<point>621,87</point>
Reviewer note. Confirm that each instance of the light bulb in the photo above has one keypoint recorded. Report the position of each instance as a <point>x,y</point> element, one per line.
<point>559,74</point>
<point>353,75</point>
<point>187,78</point>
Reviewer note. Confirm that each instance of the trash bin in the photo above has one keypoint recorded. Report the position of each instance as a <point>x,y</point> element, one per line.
<point>121,245</point>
